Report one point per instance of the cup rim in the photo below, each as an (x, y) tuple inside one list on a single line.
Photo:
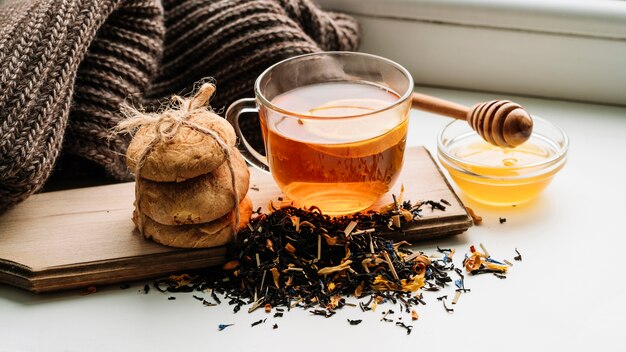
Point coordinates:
[(558, 156), (266, 102)]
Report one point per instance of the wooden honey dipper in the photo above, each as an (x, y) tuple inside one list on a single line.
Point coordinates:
[(500, 122)]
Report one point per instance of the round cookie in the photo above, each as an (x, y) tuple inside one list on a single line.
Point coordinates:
[(211, 234), (197, 200), (187, 155)]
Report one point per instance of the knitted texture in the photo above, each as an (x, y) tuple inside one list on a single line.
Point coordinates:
[(67, 65)]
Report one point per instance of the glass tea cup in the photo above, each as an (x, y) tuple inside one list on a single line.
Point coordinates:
[(334, 127)]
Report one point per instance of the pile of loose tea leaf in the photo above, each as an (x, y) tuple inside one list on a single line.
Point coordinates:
[(295, 254), (300, 257)]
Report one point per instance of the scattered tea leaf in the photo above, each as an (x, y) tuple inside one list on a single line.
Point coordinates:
[(355, 322), (408, 328), (260, 321), (518, 257), (223, 326)]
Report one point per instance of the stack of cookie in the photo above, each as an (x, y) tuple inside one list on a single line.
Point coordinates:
[(184, 185)]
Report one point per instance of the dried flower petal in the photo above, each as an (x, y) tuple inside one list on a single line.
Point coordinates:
[(223, 326), (333, 269), (331, 241), (307, 224), (233, 264), (406, 214), (422, 259), (493, 266), (358, 291), (290, 248), (335, 300), (295, 222), (269, 244), (395, 221), (473, 263), (475, 217), (276, 276)]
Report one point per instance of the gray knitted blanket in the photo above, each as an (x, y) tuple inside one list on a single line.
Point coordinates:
[(67, 65)]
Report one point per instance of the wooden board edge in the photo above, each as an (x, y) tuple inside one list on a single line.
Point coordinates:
[(456, 196), (15, 274), (17, 281), (102, 273)]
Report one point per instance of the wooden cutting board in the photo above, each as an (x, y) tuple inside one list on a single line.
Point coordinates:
[(81, 237)]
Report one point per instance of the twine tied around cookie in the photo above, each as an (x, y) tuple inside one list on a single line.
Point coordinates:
[(165, 125)]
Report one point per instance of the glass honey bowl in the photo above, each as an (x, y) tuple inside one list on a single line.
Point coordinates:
[(502, 176)]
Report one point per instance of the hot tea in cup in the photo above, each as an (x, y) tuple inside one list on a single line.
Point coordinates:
[(334, 127)]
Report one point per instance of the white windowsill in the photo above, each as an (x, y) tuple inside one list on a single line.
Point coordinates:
[(574, 50)]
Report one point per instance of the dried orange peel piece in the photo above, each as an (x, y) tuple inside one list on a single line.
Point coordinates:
[(494, 266), (477, 260), (473, 263), (415, 283)]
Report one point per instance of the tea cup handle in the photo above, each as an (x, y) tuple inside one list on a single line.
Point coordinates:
[(232, 116)]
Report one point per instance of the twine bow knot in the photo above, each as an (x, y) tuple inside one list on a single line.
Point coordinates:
[(166, 125)]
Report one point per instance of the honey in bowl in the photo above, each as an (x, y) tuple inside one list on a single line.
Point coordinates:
[(343, 147), (502, 176)]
